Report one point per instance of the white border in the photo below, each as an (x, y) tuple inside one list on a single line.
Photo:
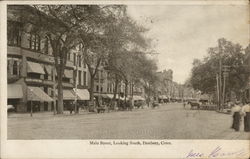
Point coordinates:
[(82, 148)]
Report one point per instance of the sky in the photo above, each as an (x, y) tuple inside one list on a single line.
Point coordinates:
[(181, 33)]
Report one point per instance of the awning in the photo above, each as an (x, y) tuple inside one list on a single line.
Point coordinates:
[(138, 98), (48, 69), (35, 68), (111, 96), (82, 94), (68, 73), (68, 95), (37, 94), (15, 91), (101, 95)]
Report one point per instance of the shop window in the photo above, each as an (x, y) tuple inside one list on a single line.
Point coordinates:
[(34, 75), (66, 80)]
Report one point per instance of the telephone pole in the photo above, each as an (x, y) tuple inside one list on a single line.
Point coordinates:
[(220, 75)]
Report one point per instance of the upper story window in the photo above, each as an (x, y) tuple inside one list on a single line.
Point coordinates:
[(34, 42), (74, 59), (84, 64), (80, 61), (68, 56), (13, 66), (14, 33), (84, 78), (46, 45)]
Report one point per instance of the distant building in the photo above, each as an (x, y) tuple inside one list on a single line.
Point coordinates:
[(166, 82)]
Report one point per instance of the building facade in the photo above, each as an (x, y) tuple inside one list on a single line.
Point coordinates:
[(31, 73)]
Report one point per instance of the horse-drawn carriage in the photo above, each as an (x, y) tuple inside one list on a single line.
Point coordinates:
[(194, 104)]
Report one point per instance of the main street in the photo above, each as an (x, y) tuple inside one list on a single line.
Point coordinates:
[(169, 121)]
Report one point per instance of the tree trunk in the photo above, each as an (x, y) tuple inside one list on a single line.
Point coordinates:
[(132, 93), (91, 90), (115, 90), (126, 91), (60, 92)]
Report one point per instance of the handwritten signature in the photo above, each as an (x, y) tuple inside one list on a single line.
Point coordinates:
[(217, 152)]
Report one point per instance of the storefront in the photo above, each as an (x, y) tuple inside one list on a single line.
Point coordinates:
[(15, 95), (36, 98), (82, 98)]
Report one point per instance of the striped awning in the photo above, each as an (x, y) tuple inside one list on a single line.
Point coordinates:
[(48, 69), (68, 95), (82, 94), (15, 91), (68, 73), (35, 68), (138, 98), (37, 94)]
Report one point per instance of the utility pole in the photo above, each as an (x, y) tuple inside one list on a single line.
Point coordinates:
[(76, 82), (54, 89), (220, 74), (225, 75)]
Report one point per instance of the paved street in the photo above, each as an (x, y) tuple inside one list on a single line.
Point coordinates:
[(169, 121)]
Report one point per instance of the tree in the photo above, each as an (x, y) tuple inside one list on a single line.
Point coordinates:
[(57, 24), (93, 21), (204, 71)]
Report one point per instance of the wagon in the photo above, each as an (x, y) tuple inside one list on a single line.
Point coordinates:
[(194, 105)]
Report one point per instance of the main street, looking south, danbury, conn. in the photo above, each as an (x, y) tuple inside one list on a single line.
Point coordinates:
[(127, 72)]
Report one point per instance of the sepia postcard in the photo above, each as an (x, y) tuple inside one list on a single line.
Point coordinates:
[(125, 79)]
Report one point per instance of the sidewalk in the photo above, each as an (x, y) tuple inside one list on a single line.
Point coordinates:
[(47, 114), (65, 113)]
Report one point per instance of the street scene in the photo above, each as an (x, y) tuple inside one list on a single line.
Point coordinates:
[(169, 121), (128, 72)]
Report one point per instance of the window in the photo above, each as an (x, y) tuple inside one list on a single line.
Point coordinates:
[(9, 67), (101, 89), (80, 61), (34, 42), (14, 33), (15, 68), (46, 45), (97, 88), (74, 59), (79, 78), (84, 78), (68, 56), (84, 64)]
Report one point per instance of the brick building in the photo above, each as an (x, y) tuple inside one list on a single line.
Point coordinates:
[(30, 67)]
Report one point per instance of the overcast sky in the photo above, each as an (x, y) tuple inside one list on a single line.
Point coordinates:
[(183, 33)]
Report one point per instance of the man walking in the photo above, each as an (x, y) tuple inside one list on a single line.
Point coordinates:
[(246, 113)]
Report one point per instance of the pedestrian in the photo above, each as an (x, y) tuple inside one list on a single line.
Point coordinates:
[(236, 111), (246, 114)]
